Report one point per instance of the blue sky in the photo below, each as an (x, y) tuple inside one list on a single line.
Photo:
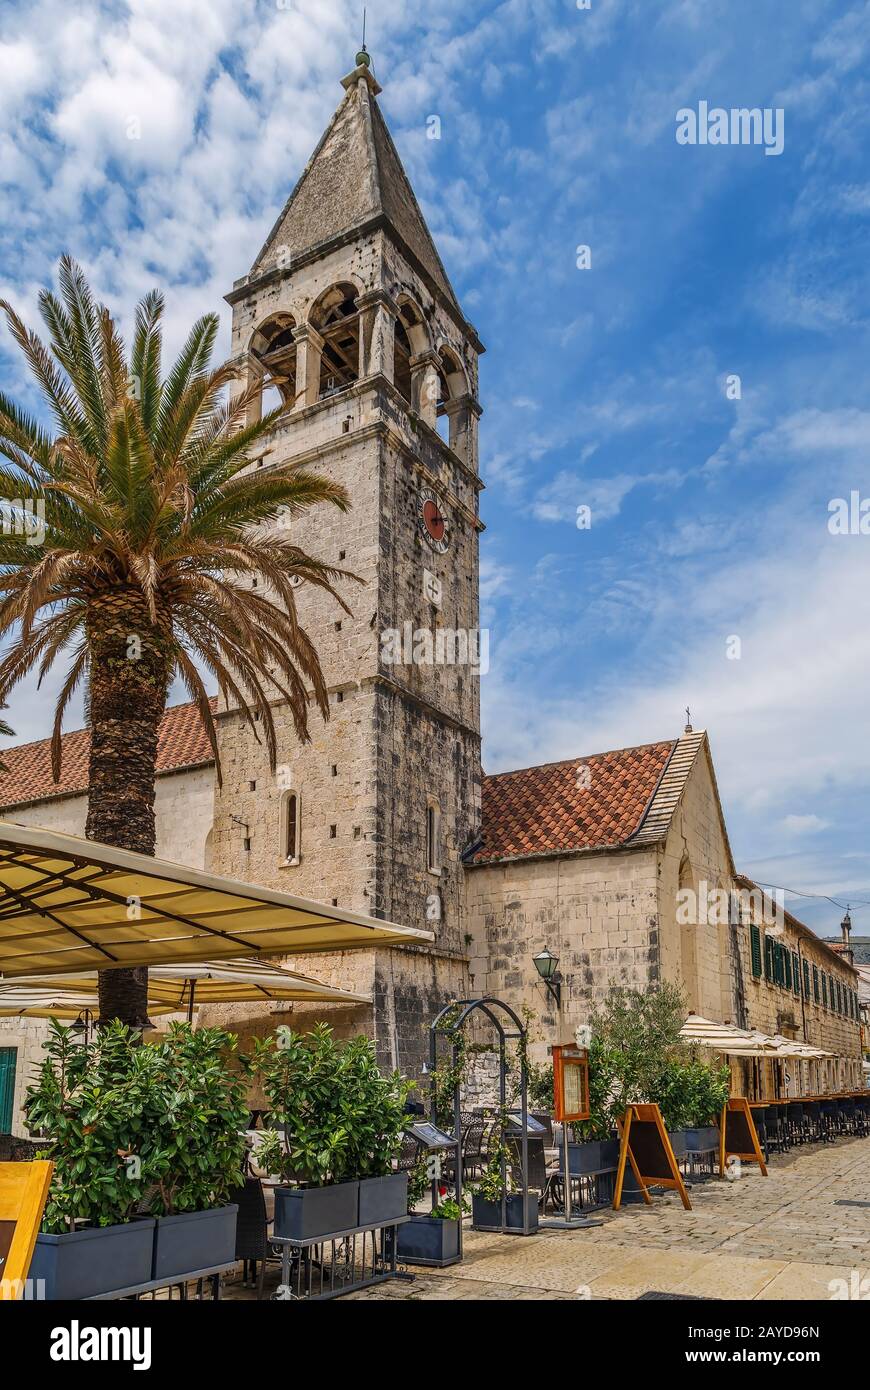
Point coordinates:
[(603, 387)]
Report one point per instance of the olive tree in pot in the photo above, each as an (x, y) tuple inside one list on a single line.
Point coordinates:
[(93, 1102), (339, 1127)]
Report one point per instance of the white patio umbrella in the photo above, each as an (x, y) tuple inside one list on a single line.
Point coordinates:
[(188, 983)]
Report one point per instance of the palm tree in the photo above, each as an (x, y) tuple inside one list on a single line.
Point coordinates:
[(5, 732), (141, 528)]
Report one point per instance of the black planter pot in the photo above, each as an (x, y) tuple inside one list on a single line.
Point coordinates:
[(301, 1213), (486, 1215), (704, 1138), (194, 1240), (631, 1191), (383, 1199), (99, 1259), (427, 1240)]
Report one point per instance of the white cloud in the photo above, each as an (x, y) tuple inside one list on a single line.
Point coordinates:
[(803, 825)]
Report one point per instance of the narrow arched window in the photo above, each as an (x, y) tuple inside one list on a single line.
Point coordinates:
[(433, 837), (290, 830)]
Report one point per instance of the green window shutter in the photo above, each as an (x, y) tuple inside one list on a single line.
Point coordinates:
[(796, 972), (8, 1059), (786, 967), (824, 990), (806, 979), (755, 949), (816, 994), (768, 957)]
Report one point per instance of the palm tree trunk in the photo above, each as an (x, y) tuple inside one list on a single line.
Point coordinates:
[(129, 678)]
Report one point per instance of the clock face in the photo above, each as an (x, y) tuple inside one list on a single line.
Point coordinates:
[(433, 523)]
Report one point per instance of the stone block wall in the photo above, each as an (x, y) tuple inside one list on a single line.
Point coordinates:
[(597, 912)]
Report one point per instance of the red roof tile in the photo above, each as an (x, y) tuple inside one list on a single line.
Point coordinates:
[(561, 807), (182, 743)]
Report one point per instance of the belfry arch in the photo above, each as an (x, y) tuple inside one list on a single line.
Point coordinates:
[(272, 360)]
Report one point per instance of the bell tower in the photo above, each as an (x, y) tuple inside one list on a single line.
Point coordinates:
[(348, 317)]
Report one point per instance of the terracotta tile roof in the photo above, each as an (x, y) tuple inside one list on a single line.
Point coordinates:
[(182, 743), (560, 807)]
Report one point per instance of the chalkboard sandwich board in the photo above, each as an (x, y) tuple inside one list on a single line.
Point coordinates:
[(646, 1146), (738, 1137)]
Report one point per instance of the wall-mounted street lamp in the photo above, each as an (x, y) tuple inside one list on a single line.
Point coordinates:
[(547, 966)]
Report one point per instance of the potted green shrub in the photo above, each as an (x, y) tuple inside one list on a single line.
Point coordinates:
[(499, 1182), (486, 1202), (136, 1128), (339, 1126), (711, 1087), (690, 1095), (92, 1102), (432, 1237), (195, 1148)]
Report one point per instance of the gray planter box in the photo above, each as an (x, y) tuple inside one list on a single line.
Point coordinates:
[(486, 1215), (609, 1153), (699, 1140), (194, 1240), (584, 1157), (95, 1260), (678, 1142), (426, 1240), (383, 1199), (302, 1213)]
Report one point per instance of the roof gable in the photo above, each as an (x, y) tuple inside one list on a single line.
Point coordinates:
[(590, 803)]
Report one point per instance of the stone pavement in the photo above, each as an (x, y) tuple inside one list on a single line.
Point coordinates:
[(755, 1238)]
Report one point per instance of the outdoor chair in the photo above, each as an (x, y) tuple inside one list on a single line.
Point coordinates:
[(472, 1147), (252, 1241), (409, 1154), (777, 1129), (813, 1115), (796, 1129), (828, 1110)]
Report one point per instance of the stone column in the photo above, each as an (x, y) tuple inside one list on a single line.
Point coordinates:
[(309, 346), (377, 318), (463, 412), (425, 386)]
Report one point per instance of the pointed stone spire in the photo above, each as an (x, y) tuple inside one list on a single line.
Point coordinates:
[(354, 182)]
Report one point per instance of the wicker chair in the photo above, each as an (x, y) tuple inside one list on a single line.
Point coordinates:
[(252, 1239)]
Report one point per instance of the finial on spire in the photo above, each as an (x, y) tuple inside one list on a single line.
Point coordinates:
[(363, 59), (688, 728)]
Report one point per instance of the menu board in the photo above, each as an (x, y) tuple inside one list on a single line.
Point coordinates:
[(570, 1083)]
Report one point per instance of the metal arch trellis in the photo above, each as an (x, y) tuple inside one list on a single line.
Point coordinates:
[(519, 1033)]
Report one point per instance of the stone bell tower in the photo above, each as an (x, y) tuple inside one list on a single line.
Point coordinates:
[(348, 317)]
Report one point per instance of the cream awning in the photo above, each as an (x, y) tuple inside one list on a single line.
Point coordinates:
[(744, 1042), (209, 982), (56, 1003), (68, 904)]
